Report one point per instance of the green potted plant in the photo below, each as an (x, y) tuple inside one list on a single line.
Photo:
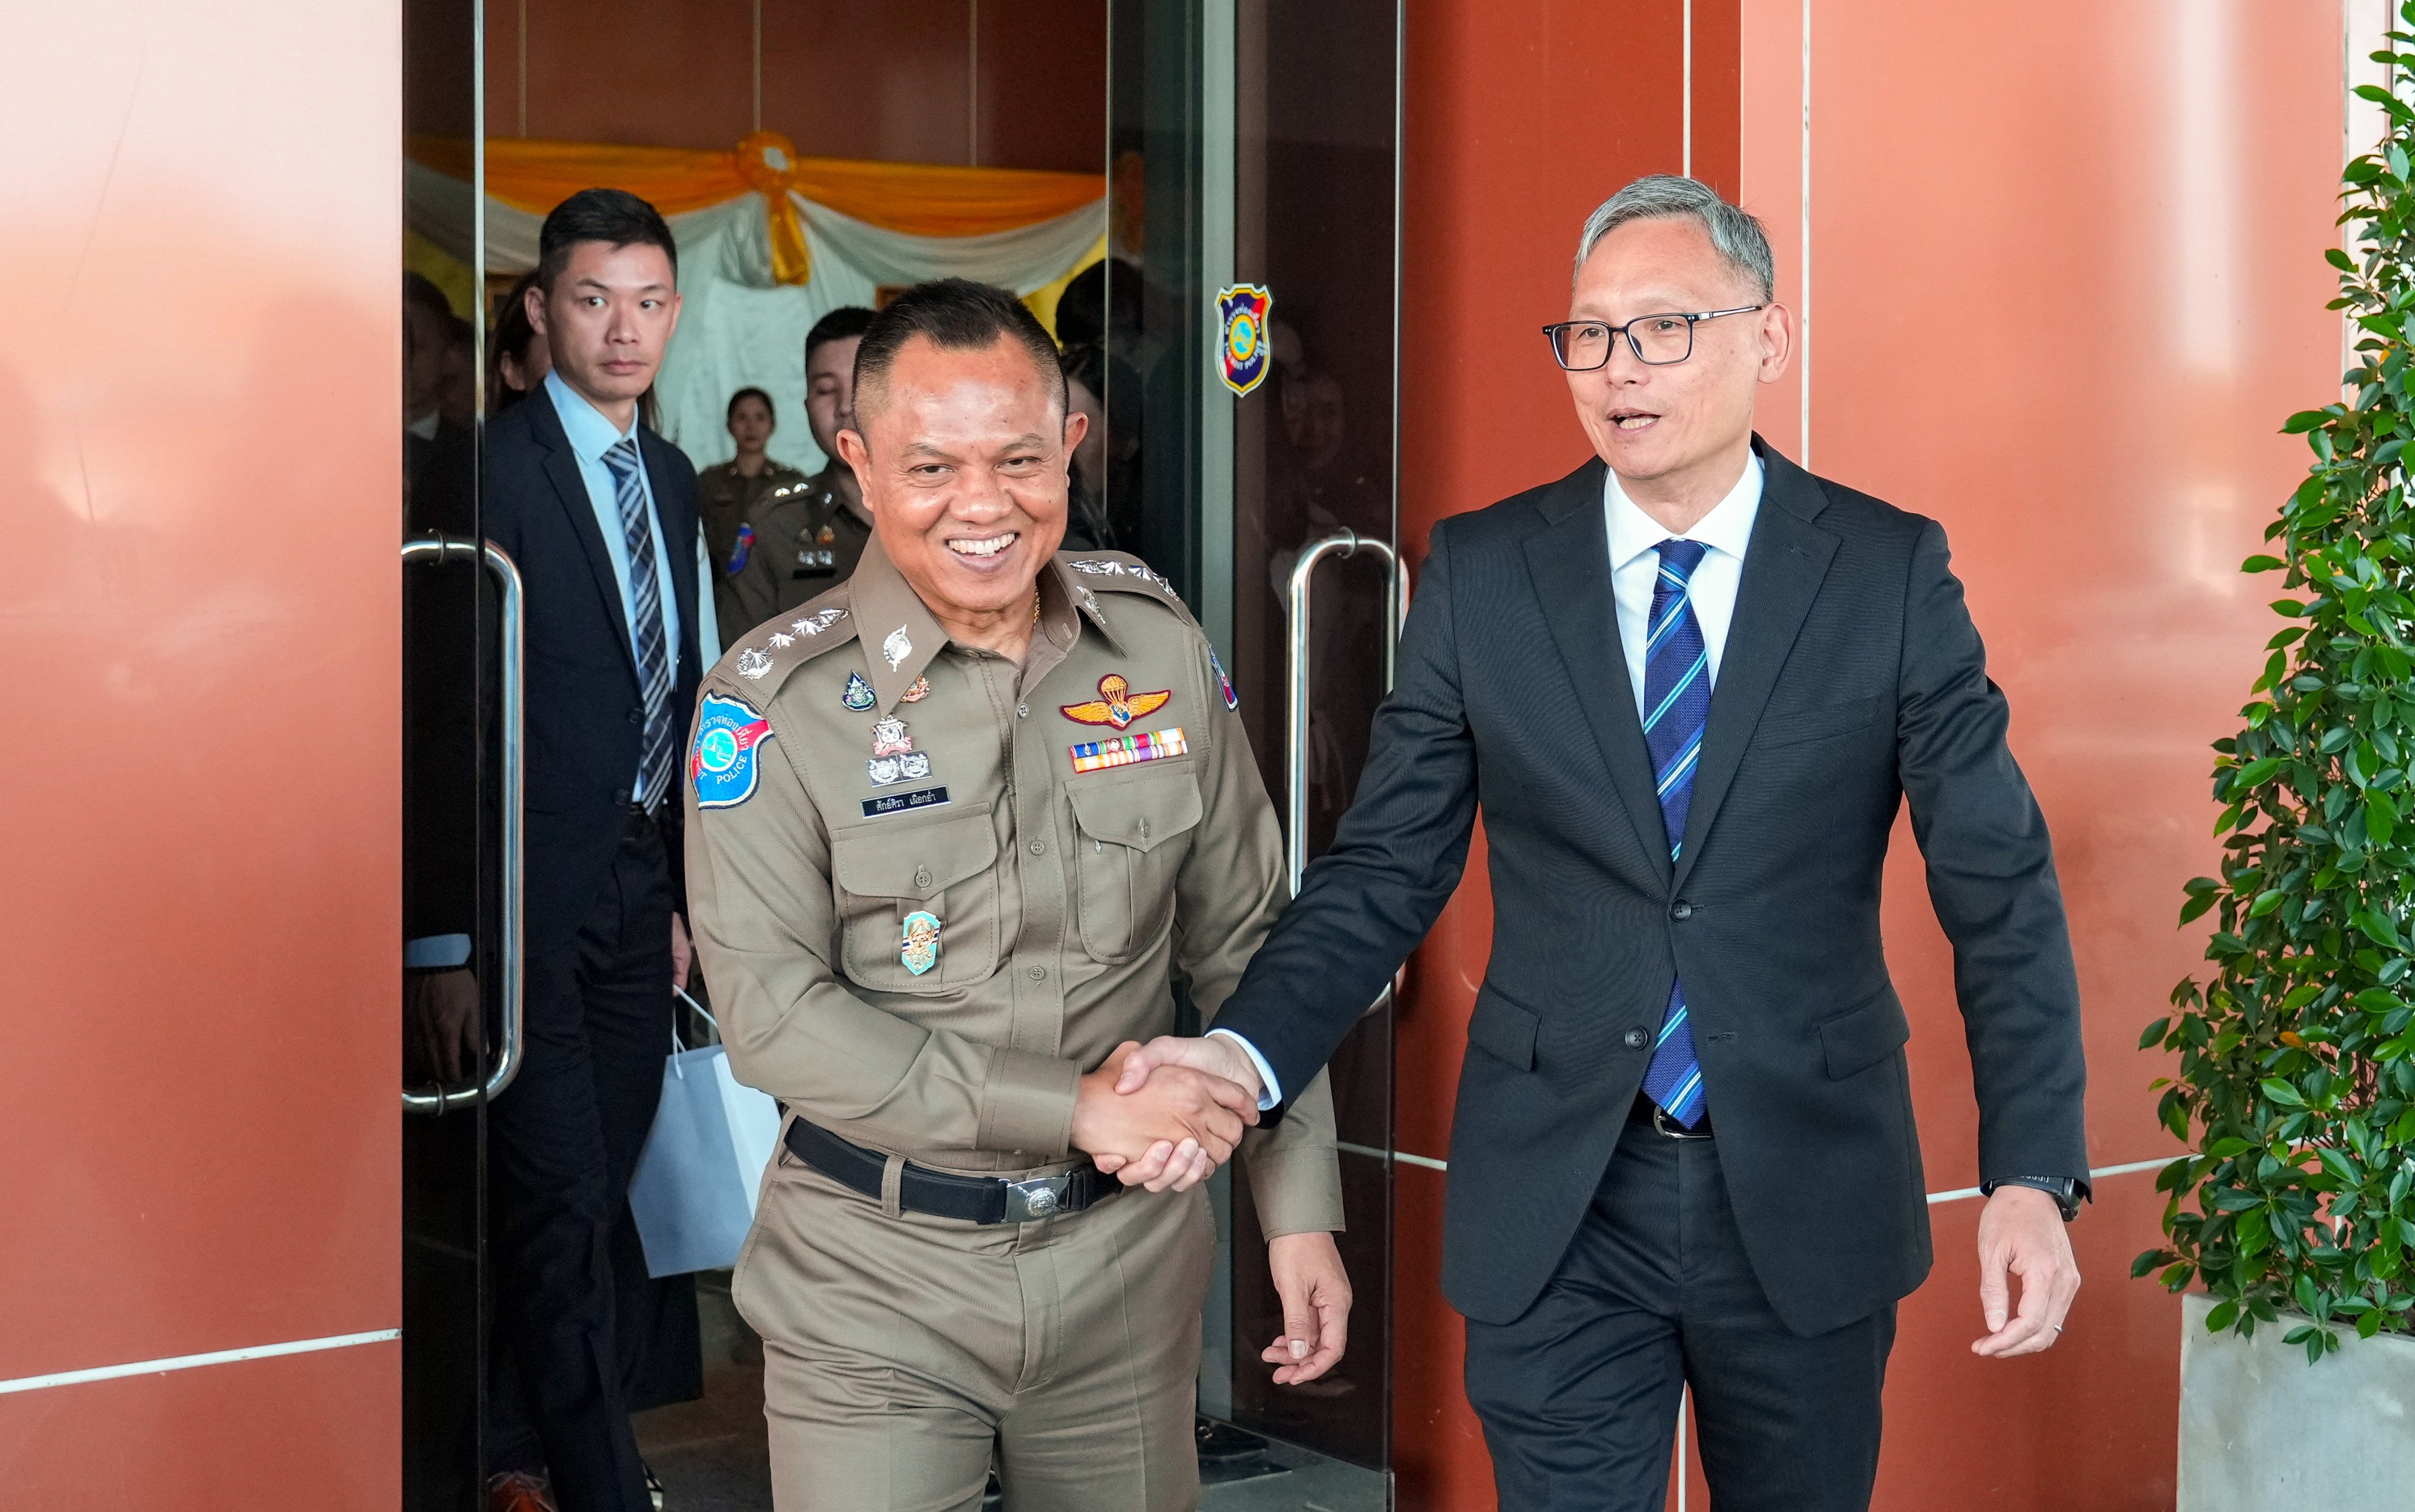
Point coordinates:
[(2294, 1214)]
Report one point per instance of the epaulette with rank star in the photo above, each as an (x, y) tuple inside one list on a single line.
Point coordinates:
[(772, 650)]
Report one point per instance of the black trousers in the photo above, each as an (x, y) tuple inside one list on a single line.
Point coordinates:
[(572, 1305), (1579, 1397)]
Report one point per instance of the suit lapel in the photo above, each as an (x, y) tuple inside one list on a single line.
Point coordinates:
[(1783, 566), (570, 488), (1570, 561)]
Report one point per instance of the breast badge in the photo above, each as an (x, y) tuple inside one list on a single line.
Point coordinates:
[(1123, 750), (888, 737), (920, 691), (920, 950), (858, 695), (1115, 704), (722, 766)]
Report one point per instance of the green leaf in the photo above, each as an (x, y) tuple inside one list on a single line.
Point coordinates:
[(2222, 1316), (2266, 902), (2155, 1035), (2263, 563), (2339, 260), (2223, 1149), (2304, 420), (2281, 1092), (2253, 774)]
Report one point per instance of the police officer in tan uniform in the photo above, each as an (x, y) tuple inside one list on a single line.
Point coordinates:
[(730, 498), (954, 827), (810, 533)]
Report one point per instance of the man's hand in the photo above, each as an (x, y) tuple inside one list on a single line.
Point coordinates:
[(1315, 1294), (1194, 1114), (1166, 1166), (683, 953), (2021, 1232), (440, 1026)]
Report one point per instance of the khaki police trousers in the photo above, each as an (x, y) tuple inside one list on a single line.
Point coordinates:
[(902, 1350)]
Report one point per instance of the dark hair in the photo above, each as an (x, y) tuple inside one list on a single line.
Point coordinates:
[(420, 291), (956, 315), (752, 394), (513, 337), (839, 324), (613, 216)]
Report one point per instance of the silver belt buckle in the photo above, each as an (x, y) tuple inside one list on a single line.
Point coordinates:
[(1663, 1124), (1040, 1197)]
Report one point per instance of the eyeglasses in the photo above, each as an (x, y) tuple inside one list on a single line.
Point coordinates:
[(1657, 340)]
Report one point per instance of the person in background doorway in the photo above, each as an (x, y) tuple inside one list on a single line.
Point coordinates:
[(730, 494), (1106, 465), (809, 534), (519, 355), (600, 515)]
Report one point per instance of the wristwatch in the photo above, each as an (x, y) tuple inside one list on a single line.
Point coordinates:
[(2063, 1190)]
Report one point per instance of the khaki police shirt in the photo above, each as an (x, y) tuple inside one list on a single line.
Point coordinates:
[(728, 501), (856, 780), (807, 541)]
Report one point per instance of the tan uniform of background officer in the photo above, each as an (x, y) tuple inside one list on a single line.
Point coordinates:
[(729, 499), (807, 540), (955, 827)]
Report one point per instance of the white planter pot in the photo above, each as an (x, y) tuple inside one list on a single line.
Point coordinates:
[(2262, 1430)]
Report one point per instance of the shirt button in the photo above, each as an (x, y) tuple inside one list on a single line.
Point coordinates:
[(1638, 1037), (1681, 910), (1039, 973), (1023, 710), (1040, 848), (921, 879)]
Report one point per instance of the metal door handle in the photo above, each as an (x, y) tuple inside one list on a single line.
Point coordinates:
[(432, 548), (1343, 544)]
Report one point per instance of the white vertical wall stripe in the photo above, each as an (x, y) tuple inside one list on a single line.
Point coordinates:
[(1686, 153), (188, 1362)]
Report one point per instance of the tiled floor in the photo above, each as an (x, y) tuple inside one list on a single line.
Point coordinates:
[(712, 1453)]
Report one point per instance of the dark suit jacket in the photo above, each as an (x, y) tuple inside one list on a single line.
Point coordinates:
[(586, 715), (1852, 677)]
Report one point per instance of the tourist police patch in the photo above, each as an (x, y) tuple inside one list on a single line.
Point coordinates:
[(740, 551), (1232, 699), (722, 766)]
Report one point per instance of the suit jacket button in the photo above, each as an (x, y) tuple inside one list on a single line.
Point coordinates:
[(1638, 1037), (1681, 910), (638, 716)]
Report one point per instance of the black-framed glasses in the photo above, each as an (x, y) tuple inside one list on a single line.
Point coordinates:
[(1657, 340)]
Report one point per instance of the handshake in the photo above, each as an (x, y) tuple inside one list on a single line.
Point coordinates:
[(1165, 1114)]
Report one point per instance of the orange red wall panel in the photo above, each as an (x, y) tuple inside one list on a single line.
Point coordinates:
[(199, 632)]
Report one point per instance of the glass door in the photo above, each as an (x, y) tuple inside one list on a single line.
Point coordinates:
[(461, 801), (1253, 296)]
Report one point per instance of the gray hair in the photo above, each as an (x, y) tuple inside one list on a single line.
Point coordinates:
[(1735, 234)]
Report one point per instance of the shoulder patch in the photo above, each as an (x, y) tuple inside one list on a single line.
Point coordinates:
[(722, 764), (1128, 573)]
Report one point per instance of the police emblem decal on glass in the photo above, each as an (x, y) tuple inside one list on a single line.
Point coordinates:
[(919, 951), (858, 695), (898, 647), (1241, 355), (728, 733)]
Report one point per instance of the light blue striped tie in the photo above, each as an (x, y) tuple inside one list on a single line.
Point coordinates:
[(1676, 706), (653, 663)]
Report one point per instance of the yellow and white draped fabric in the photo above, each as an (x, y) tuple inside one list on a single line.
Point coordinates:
[(769, 242)]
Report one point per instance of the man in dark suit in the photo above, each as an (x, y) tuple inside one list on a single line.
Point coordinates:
[(1682, 1151), (600, 514)]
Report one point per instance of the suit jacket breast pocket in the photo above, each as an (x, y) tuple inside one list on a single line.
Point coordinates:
[(1816, 723)]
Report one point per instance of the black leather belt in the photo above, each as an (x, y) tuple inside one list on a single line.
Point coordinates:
[(1645, 1110), (971, 1199)]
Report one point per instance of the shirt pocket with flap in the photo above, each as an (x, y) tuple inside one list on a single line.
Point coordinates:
[(948, 870), (1133, 831)]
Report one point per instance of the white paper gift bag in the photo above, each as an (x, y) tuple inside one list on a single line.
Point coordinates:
[(693, 1192)]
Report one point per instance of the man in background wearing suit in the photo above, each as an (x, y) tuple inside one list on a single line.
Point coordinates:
[(600, 514), (1690, 684)]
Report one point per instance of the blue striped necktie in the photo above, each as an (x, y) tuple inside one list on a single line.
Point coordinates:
[(645, 595), (1677, 705)]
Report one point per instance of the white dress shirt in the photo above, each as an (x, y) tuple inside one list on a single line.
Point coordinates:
[(1635, 567), (1635, 538)]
